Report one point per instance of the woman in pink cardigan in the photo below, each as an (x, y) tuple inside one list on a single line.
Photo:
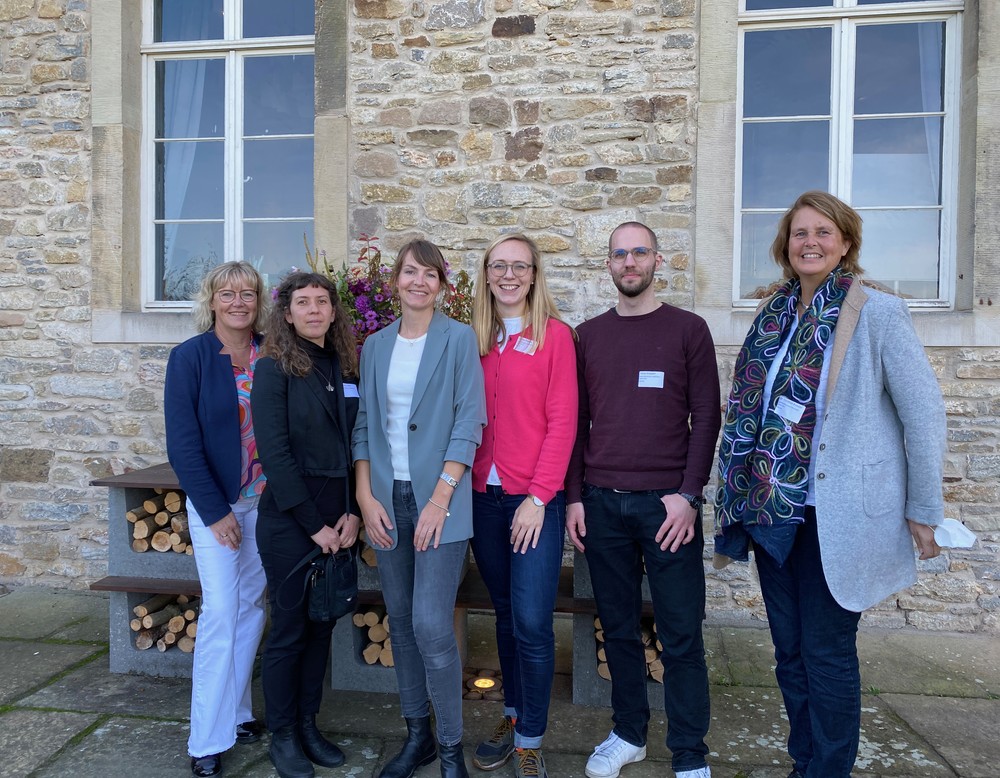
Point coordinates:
[(529, 364)]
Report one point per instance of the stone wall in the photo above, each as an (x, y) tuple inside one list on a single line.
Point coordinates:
[(561, 118)]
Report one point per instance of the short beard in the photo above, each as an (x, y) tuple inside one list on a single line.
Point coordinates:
[(636, 290)]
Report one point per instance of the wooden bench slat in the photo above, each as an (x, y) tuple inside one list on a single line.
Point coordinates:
[(121, 583)]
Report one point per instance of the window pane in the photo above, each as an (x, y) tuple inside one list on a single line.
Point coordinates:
[(187, 20), (190, 96), (267, 18), (899, 68), (274, 247), (278, 178), (189, 182), (278, 94), (900, 249), (897, 162), (757, 269), (184, 253), (766, 5), (787, 72), (781, 160)]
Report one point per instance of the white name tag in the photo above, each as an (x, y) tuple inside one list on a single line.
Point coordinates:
[(650, 379), (525, 346), (351, 390), (789, 410)]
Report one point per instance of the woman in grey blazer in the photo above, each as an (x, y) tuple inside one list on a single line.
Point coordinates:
[(830, 469), (420, 420)]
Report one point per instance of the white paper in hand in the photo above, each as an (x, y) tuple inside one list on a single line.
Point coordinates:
[(953, 534)]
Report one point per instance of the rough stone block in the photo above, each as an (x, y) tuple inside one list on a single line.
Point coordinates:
[(493, 111), (456, 14), (513, 26), (27, 465), (524, 145), (379, 9)]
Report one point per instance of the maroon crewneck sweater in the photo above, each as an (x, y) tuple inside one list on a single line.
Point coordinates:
[(633, 434)]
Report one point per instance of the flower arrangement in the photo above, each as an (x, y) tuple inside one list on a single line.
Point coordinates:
[(367, 296)]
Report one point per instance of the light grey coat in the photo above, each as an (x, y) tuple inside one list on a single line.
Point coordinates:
[(880, 456), (447, 416)]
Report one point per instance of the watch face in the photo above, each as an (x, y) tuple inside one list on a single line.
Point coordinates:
[(537, 501)]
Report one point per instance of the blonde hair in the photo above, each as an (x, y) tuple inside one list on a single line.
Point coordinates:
[(540, 307), (845, 218), (218, 277)]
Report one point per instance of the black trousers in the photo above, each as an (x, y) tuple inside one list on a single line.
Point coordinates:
[(297, 649)]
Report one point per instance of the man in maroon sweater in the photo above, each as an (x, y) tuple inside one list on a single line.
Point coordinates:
[(649, 419)]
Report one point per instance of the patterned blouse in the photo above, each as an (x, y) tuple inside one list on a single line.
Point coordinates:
[(252, 483)]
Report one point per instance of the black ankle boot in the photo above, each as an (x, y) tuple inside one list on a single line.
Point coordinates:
[(316, 747), (452, 761), (286, 754), (418, 749)]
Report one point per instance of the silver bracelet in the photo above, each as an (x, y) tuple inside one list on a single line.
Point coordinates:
[(448, 480), (447, 513)]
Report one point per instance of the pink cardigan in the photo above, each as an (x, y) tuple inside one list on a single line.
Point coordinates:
[(531, 411)]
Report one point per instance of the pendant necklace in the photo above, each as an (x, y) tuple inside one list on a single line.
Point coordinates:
[(329, 380)]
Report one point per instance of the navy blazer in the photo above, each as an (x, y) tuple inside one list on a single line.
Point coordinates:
[(447, 417), (202, 418)]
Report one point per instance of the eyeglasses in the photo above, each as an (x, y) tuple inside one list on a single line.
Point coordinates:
[(228, 295), (499, 269), (639, 253)]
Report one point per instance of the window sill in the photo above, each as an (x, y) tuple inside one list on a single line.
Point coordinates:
[(160, 327)]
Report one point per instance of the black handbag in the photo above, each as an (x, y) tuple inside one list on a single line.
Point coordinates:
[(331, 584)]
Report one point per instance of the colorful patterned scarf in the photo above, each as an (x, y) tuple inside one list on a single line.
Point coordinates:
[(764, 458)]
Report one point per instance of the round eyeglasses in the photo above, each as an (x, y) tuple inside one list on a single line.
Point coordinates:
[(639, 253), (499, 269), (228, 295)]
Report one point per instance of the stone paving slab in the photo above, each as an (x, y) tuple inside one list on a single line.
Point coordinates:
[(93, 688), (33, 612), (26, 665), (50, 731), (920, 663), (966, 732)]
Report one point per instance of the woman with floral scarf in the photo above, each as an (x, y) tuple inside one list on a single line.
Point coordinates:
[(829, 469)]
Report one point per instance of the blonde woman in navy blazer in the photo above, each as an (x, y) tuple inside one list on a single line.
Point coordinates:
[(419, 423)]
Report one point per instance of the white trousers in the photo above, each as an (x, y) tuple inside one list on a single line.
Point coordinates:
[(230, 626)]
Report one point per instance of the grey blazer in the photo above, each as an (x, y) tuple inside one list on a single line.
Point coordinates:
[(446, 418), (879, 460)]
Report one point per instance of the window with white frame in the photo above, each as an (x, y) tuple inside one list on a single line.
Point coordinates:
[(227, 139), (860, 99)]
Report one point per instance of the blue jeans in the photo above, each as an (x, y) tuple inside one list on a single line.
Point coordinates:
[(815, 649), (419, 590), (523, 589), (621, 532)]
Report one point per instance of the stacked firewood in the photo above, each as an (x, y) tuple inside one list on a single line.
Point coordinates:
[(374, 622), (161, 524), (165, 621), (651, 646)]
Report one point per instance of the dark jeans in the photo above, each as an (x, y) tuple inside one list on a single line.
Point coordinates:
[(523, 590), (297, 649), (815, 648), (419, 589), (621, 531)]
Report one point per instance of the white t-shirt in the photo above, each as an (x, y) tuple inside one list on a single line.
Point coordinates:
[(402, 378)]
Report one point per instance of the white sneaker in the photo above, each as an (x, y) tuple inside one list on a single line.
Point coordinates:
[(701, 772), (611, 756)]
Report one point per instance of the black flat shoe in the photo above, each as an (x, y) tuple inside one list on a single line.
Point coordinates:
[(202, 766), (248, 732)]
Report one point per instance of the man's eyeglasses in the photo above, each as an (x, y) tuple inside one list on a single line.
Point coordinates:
[(499, 269), (228, 295), (639, 253)]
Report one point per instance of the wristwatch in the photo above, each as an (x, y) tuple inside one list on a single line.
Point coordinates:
[(694, 500), (537, 501), (452, 482)]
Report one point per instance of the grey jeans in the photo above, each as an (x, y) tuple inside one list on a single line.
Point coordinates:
[(419, 589)]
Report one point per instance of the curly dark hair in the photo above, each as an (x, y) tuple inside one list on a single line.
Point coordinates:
[(285, 348)]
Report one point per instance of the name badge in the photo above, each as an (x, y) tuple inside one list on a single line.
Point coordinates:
[(525, 346), (350, 390), (650, 379), (789, 410)]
